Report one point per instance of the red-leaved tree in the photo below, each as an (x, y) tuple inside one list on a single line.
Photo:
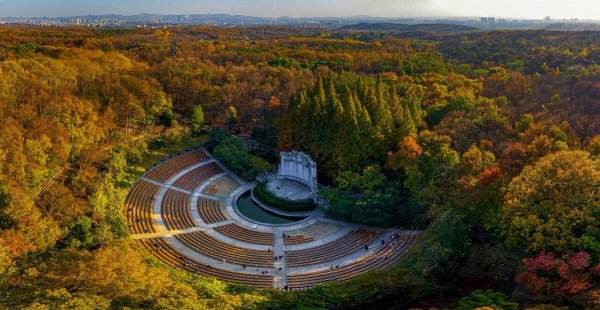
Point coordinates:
[(548, 274)]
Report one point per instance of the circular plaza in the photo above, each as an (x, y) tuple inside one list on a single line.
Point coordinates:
[(192, 213)]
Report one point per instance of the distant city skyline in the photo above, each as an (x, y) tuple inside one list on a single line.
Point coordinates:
[(532, 9)]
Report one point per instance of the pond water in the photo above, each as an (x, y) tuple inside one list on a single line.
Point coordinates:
[(251, 210)]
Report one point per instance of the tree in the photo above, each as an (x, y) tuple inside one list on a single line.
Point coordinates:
[(451, 231), (524, 123), (167, 117), (553, 204), (7, 264), (407, 156), (5, 219), (231, 153), (514, 158), (432, 185), (479, 184), (232, 115), (196, 120), (370, 179), (594, 146), (448, 242), (80, 234), (548, 274), (539, 147)]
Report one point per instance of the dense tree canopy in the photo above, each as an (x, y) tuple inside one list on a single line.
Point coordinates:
[(475, 138), (346, 122)]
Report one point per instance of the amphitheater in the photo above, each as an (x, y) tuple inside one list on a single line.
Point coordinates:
[(183, 210)]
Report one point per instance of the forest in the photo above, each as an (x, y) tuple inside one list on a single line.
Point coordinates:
[(489, 142)]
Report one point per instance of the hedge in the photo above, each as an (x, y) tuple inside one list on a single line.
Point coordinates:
[(261, 193)]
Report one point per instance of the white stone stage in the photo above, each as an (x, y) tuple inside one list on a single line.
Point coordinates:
[(299, 167), (289, 189), (296, 177)]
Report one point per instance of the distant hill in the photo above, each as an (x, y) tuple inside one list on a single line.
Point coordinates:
[(573, 27), (438, 28)]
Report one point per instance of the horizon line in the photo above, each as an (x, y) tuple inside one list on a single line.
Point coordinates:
[(314, 17)]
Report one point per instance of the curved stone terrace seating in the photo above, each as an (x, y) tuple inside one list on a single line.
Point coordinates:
[(176, 210), (211, 190), (138, 207), (384, 257), (231, 251), (241, 233), (193, 179), (211, 211), (222, 187), (349, 243), (209, 246), (296, 239), (172, 167), (166, 253)]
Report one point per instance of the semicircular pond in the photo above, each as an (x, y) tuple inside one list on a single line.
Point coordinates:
[(252, 211)]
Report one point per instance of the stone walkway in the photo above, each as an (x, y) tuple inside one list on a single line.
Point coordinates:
[(279, 265), (279, 270)]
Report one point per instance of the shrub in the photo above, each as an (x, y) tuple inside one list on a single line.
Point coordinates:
[(489, 298)]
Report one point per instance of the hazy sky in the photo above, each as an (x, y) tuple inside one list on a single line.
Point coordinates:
[(584, 9)]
